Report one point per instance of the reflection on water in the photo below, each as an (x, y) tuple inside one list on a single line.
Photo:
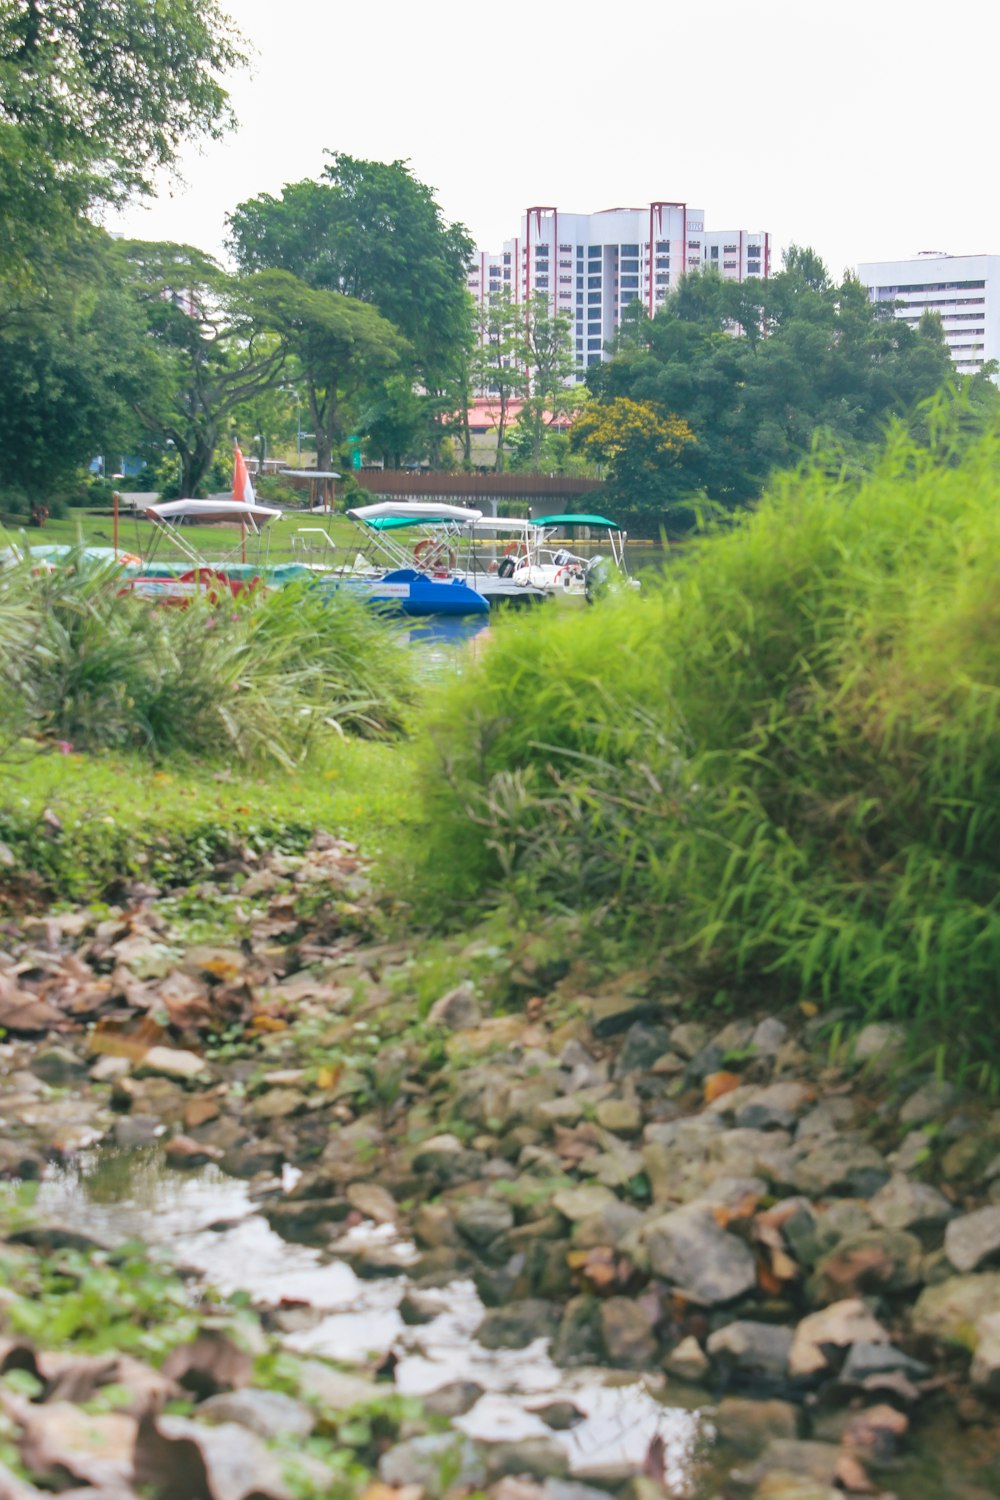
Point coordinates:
[(131, 1195)]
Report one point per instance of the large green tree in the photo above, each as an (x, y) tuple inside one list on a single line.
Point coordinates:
[(94, 96), (207, 353), (760, 370), (500, 366)]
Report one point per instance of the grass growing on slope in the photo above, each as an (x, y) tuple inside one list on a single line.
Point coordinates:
[(784, 761)]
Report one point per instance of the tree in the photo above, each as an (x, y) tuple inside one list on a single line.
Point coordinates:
[(641, 446), (96, 94), (500, 365), (70, 348), (343, 349), (552, 391), (206, 352), (372, 231)]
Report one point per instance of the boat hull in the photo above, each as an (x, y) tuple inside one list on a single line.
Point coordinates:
[(408, 592)]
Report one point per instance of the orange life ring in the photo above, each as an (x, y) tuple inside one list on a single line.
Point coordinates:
[(512, 549), (432, 553)]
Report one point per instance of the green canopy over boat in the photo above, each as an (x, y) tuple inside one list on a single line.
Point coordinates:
[(575, 520)]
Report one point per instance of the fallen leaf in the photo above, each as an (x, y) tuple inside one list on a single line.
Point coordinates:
[(185, 1460), (60, 1440), (718, 1084), (209, 1364), (131, 1039)]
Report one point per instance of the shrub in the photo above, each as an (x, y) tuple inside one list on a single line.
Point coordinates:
[(782, 761)]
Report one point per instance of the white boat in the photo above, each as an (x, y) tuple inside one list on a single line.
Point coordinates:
[(550, 565)]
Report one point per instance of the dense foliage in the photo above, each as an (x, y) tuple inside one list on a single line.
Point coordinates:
[(783, 761), (259, 679), (761, 370)]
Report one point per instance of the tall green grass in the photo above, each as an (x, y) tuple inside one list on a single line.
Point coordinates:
[(257, 679), (782, 762)]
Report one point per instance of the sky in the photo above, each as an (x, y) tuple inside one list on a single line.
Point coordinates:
[(866, 130)]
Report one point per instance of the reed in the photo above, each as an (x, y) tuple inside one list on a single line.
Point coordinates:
[(782, 763)]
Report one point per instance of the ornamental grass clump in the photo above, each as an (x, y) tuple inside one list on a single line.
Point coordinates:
[(782, 760), (256, 679)]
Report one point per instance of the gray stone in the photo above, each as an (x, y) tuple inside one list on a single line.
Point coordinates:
[(928, 1103), (561, 1416), (106, 1069), (776, 1107), (572, 1489), (950, 1310), (539, 1457), (131, 1131), (615, 1223), (904, 1204), (453, 1399), (838, 1327), (864, 1360), (625, 1333), (483, 1221), (844, 1219), (610, 1015), (518, 1324), (973, 1241), (827, 1118), (916, 1148), (334, 1389), (985, 1371), (578, 1339), (57, 1065), (812, 1461), (879, 1039), (752, 1348), (438, 1462), (582, 1202), (769, 1036), (748, 1426), (278, 1104), (446, 1160), (688, 1038), (688, 1249), (688, 1361), (458, 1010), (269, 1414), (620, 1116), (845, 1165), (880, 1260), (172, 1062), (643, 1044)]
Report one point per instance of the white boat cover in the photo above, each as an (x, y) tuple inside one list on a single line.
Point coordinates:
[(212, 510), (414, 510)]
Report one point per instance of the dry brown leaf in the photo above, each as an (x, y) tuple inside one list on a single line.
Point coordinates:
[(131, 1039), (717, 1084)]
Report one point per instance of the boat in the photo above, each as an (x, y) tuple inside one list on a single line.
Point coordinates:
[(455, 542), (415, 580), (555, 569), (175, 583)]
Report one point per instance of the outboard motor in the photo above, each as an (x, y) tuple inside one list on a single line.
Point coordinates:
[(598, 578)]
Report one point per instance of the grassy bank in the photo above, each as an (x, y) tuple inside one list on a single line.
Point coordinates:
[(781, 765)]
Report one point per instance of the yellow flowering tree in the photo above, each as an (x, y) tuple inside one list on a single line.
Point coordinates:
[(641, 447)]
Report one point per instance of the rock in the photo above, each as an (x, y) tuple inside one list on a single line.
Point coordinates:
[(106, 1069), (518, 1324), (880, 1039), (781, 1485), (776, 1107), (973, 1241), (572, 1489), (838, 1327), (904, 1204), (615, 1223), (752, 1348), (951, 1310), (333, 1389), (985, 1371), (278, 1104), (927, 1103), (174, 1455), (582, 1202), (876, 1433), (559, 1415), (458, 1010), (269, 1414), (620, 1116), (184, 1153), (827, 1118), (444, 1158), (687, 1361), (171, 1062), (748, 1426), (625, 1333), (688, 1249), (420, 1307), (611, 1014), (20, 1159), (57, 1066), (880, 1260), (769, 1036), (483, 1221), (812, 1461), (540, 1457), (688, 1038), (577, 1341), (845, 1165), (453, 1399), (865, 1360), (643, 1044), (917, 1147), (433, 1226), (438, 1462)]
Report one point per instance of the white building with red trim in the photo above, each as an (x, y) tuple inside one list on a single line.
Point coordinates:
[(964, 291), (593, 265)]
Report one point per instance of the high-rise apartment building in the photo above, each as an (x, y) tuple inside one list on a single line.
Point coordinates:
[(592, 266), (964, 290)]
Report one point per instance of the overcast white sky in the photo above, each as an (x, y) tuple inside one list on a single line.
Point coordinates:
[(866, 129)]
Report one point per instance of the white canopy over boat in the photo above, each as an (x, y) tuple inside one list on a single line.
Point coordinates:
[(209, 511), (413, 510)]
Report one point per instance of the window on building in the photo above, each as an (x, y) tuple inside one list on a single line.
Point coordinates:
[(694, 244), (579, 343), (495, 286), (593, 252), (629, 265), (565, 281), (729, 265), (663, 262), (630, 249), (579, 299), (593, 328), (714, 252), (541, 281), (506, 273), (594, 298), (565, 249), (566, 265), (663, 247), (663, 278), (593, 343), (593, 359), (631, 283), (593, 281), (730, 249), (506, 257)]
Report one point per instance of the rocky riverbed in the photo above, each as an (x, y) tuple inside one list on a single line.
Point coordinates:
[(480, 1215)]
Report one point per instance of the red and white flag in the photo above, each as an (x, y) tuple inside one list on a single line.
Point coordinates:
[(242, 488)]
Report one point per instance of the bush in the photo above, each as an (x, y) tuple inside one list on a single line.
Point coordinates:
[(782, 761), (257, 679)]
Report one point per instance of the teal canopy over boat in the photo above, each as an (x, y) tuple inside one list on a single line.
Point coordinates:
[(575, 520)]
